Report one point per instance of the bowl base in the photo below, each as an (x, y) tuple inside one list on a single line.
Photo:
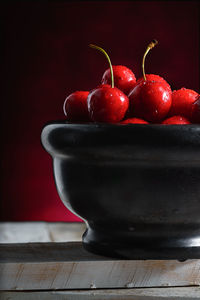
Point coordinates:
[(140, 247)]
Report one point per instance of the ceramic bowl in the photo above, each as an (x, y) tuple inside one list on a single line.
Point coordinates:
[(136, 186)]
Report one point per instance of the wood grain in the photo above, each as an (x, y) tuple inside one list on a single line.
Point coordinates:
[(44, 266), (27, 232), (185, 293)]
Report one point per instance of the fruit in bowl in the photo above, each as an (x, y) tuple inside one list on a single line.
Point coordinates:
[(134, 183)]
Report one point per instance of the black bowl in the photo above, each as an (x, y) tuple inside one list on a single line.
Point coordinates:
[(137, 187)]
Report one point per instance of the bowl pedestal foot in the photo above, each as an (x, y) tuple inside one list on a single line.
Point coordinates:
[(140, 247)]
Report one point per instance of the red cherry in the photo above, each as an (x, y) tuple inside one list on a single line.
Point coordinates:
[(195, 118), (182, 101), (150, 100), (176, 120), (153, 77), (107, 105), (124, 78), (75, 106), (103, 85), (134, 121)]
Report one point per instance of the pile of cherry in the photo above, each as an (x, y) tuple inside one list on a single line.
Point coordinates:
[(122, 99)]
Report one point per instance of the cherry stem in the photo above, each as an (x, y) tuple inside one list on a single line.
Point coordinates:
[(109, 61), (149, 47)]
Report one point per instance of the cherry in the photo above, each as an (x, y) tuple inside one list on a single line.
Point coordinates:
[(176, 120), (182, 101), (150, 100), (124, 78), (153, 77), (103, 85), (107, 103), (195, 115), (75, 106), (134, 121)]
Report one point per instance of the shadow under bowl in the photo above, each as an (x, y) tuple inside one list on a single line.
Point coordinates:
[(137, 187)]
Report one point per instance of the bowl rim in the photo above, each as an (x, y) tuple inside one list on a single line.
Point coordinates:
[(115, 125)]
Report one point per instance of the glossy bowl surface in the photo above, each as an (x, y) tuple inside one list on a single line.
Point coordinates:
[(136, 186)]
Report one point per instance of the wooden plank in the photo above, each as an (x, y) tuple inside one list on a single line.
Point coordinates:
[(66, 232), (185, 293), (18, 232), (69, 266), (44, 252), (26, 232)]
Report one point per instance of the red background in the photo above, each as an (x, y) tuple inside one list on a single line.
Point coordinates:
[(46, 57)]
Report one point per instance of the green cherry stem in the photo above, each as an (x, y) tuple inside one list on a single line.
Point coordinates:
[(109, 61), (149, 47)]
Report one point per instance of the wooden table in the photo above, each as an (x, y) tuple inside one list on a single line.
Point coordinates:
[(41, 260)]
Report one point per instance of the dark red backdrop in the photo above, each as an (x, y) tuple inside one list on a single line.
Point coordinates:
[(46, 57)]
